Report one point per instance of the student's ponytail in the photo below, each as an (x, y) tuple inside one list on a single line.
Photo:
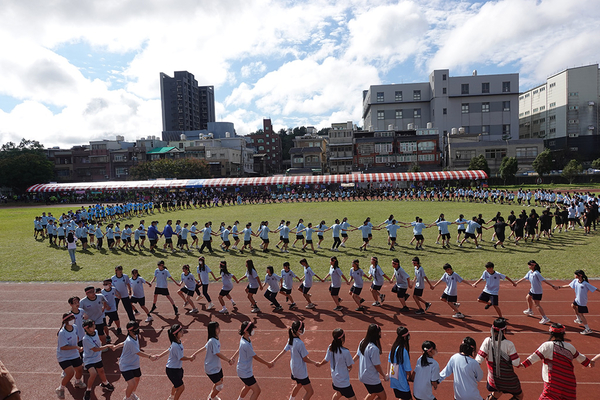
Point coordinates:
[(582, 274), (337, 344), (293, 331), (426, 346), (467, 347)]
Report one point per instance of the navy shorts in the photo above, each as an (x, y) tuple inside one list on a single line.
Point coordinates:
[(335, 291), (224, 292), (418, 292), (247, 242), (356, 290), (161, 291), (419, 237), (374, 388), (285, 240), (469, 235), (133, 373), (347, 392), (535, 296), (303, 289), (286, 291), (100, 329), (449, 299), (489, 298), (214, 378), (402, 395), (97, 365), (299, 237), (308, 241), (400, 292), (76, 362), (175, 375), (251, 290), (445, 236), (249, 381), (581, 309), (138, 300), (187, 291), (302, 382), (375, 287)]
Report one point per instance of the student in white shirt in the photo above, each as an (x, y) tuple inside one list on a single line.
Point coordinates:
[(307, 281), (492, 279), (187, 291), (92, 358), (204, 280), (336, 275), (246, 355), (129, 362), (67, 354), (340, 363), (212, 360), (427, 373), (287, 284), (356, 275), (161, 274), (226, 277), (298, 360), (581, 286), (402, 284), (467, 372), (174, 367), (535, 278), (450, 295), (368, 354), (254, 284)]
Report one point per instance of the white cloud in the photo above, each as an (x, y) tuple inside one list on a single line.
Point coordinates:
[(303, 62)]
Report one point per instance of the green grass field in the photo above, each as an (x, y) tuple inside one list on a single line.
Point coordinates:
[(26, 259)]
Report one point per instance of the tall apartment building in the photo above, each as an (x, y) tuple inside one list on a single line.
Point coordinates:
[(564, 111), (268, 145), (479, 104), (185, 105), (341, 147)]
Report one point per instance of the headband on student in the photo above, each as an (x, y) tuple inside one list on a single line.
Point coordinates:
[(406, 334), (247, 327), (131, 328), (557, 330), (67, 317), (177, 331)]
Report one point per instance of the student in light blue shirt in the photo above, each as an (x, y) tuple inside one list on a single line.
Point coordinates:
[(467, 372), (247, 238), (298, 229), (400, 358), (212, 360), (67, 353), (470, 232), (174, 367), (369, 366), (161, 274), (129, 362), (444, 230), (309, 240), (392, 229), (298, 360), (492, 279), (246, 355), (418, 227), (92, 358), (340, 363)]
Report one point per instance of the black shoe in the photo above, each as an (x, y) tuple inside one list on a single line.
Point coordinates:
[(176, 310), (361, 308), (87, 395), (420, 311), (406, 296), (404, 309), (427, 306), (362, 301), (119, 331), (488, 305), (153, 308), (108, 386), (108, 340)]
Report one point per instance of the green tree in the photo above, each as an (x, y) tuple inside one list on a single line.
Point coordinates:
[(479, 163), (596, 163), (508, 168), (571, 170), (180, 168), (24, 165), (414, 167), (543, 162)]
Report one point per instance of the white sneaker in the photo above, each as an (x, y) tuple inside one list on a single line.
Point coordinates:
[(318, 247), (577, 320), (437, 242), (233, 303), (310, 305), (60, 393), (149, 319), (343, 245), (586, 331), (479, 247), (224, 311), (528, 312), (80, 385), (544, 320), (210, 306), (458, 315)]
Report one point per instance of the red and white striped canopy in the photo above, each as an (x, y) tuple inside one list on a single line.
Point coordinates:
[(261, 181)]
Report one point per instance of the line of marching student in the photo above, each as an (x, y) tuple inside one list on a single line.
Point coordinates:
[(92, 311)]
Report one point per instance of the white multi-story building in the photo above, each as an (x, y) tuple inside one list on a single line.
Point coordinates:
[(564, 111), (478, 104)]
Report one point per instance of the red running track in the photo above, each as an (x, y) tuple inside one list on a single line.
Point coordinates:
[(31, 314)]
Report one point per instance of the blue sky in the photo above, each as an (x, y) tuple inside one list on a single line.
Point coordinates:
[(90, 71)]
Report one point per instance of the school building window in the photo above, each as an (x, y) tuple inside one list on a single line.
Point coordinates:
[(417, 113), (416, 95), (398, 96), (495, 153), (464, 154), (464, 88), (505, 87), (527, 152), (464, 108), (506, 106), (485, 107), (380, 97), (398, 114), (380, 115)]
